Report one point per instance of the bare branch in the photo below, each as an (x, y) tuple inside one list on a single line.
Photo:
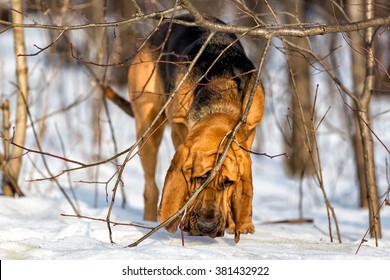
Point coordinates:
[(41, 152), (155, 15), (261, 154), (105, 220), (267, 31), (385, 202), (44, 48)]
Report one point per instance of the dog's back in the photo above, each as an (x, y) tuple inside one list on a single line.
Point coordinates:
[(224, 54)]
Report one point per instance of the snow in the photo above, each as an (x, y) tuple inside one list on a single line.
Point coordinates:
[(33, 228)]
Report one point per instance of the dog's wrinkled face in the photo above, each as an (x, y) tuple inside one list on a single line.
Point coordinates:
[(208, 214), (189, 169)]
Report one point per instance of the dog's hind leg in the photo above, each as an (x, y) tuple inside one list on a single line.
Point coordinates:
[(147, 97)]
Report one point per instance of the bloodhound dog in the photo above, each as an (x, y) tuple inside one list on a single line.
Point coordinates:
[(205, 105)]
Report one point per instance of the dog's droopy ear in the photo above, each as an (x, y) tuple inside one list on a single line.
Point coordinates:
[(241, 202), (176, 187)]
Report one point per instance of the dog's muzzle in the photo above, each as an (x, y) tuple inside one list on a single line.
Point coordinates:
[(207, 220)]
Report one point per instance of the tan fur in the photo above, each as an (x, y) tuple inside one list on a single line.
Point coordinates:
[(147, 97)]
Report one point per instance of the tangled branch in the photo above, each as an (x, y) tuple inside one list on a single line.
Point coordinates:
[(266, 31)]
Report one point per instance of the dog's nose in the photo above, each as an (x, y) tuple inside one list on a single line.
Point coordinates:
[(208, 219), (207, 226)]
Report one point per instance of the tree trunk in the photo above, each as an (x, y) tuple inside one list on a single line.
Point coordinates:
[(364, 124), (355, 12), (97, 13), (123, 45), (300, 161), (10, 186)]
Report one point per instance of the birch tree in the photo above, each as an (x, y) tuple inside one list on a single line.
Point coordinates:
[(12, 165)]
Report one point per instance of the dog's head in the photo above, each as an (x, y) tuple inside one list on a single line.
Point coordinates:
[(190, 167)]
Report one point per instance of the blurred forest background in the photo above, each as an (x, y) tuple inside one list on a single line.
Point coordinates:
[(348, 69)]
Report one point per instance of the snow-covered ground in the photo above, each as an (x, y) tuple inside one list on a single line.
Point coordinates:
[(33, 228)]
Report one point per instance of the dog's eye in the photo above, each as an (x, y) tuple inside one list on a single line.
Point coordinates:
[(227, 183), (203, 178)]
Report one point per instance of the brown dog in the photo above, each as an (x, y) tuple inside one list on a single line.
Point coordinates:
[(204, 109)]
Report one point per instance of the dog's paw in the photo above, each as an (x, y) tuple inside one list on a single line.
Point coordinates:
[(246, 228), (232, 228)]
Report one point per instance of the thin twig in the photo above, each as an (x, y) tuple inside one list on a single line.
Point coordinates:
[(373, 133), (372, 223), (261, 154), (44, 48), (6, 127), (71, 187), (318, 171), (73, 206), (327, 69), (154, 15), (42, 152), (105, 220)]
